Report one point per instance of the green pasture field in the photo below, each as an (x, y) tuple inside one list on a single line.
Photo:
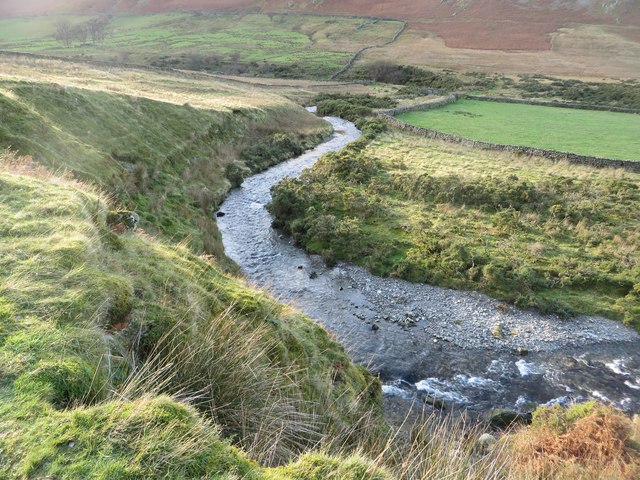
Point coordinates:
[(585, 132), (311, 45)]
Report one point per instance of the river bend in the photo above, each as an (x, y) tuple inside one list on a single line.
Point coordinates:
[(426, 340)]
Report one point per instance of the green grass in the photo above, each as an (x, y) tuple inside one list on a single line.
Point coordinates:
[(586, 132), (128, 356), (171, 163), (96, 324), (548, 235), (290, 45)]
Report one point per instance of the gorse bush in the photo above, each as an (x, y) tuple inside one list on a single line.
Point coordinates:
[(275, 149), (350, 107), (622, 94), (412, 77), (559, 241)]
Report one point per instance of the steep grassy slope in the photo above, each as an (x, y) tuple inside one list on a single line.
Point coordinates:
[(172, 161), (96, 324)]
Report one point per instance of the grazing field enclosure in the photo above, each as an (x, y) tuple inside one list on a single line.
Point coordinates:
[(594, 133), (281, 45)]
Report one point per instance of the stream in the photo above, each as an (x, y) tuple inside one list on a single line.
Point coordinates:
[(462, 348)]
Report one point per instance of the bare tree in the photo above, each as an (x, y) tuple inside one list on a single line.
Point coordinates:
[(99, 28), (64, 31), (80, 33)]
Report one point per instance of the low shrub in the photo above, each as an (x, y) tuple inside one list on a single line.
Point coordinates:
[(549, 240), (350, 107), (586, 440)]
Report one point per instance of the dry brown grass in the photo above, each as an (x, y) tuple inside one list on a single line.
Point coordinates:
[(603, 445), (179, 88), (597, 446), (15, 164), (587, 52)]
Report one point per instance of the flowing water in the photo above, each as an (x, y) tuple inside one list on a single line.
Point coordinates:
[(425, 340)]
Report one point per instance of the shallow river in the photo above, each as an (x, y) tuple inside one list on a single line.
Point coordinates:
[(464, 348)]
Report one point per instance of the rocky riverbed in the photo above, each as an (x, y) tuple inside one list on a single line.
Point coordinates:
[(463, 349)]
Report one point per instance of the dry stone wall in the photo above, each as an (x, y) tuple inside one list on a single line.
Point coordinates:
[(435, 103)]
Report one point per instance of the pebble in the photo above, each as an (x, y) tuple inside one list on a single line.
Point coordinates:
[(477, 316)]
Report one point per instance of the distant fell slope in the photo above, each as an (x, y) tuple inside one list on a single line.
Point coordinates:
[(477, 24)]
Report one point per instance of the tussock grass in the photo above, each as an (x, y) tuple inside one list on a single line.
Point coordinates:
[(226, 370), (167, 146), (97, 322)]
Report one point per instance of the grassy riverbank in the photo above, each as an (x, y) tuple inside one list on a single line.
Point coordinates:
[(127, 354), (167, 146), (131, 356), (547, 235), (585, 132), (97, 322), (127, 357)]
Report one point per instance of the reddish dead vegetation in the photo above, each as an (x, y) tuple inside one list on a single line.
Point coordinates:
[(598, 446), (478, 24)]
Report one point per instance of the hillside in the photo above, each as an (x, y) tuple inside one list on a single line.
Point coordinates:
[(523, 25), (168, 146), (126, 355), (129, 348), (99, 325), (574, 38)]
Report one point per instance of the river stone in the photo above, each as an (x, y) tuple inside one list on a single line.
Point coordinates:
[(505, 418), (498, 331), (123, 220), (434, 402), (486, 442)]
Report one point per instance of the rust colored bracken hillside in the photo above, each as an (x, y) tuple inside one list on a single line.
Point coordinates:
[(587, 39)]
